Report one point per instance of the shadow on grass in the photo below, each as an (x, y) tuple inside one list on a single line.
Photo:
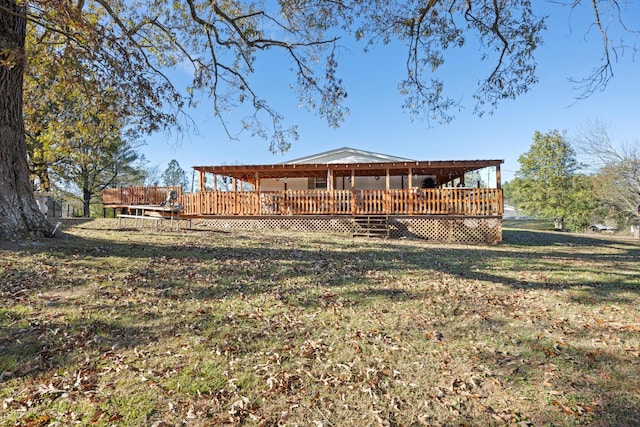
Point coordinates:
[(317, 275), (550, 238), (601, 268), (581, 389), (30, 344), (614, 264)]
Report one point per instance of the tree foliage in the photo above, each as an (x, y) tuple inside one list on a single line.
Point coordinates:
[(95, 166), (175, 175), (617, 170), (549, 185), (78, 130), (141, 173), (132, 45)]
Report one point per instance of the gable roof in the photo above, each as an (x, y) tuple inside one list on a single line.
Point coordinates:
[(349, 161), (346, 155)]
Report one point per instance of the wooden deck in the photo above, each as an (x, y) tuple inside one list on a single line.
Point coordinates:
[(340, 197), (437, 201), (128, 196), (469, 215), (441, 201)]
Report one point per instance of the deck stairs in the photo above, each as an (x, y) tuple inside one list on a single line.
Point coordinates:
[(370, 226)]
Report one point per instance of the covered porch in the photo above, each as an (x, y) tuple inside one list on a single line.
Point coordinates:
[(395, 188), (433, 200)]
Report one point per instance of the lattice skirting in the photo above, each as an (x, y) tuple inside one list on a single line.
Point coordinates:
[(322, 224), (448, 229), (436, 228)]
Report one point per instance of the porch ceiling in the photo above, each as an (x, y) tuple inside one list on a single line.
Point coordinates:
[(443, 170)]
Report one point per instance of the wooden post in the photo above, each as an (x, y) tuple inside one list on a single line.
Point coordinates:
[(411, 193), (387, 197), (202, 179), (332, 202), (257, 207), (354, 201), (236, 208), (498, 177)]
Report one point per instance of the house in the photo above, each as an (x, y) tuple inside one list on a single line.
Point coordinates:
[(350, 190)]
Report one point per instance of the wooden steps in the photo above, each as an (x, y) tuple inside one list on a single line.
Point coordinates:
[(370, 226)]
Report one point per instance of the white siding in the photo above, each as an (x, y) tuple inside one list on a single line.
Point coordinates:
[(340, 183), (278, 185)]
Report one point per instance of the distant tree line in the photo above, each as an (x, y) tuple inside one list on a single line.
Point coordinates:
[(552, 184)]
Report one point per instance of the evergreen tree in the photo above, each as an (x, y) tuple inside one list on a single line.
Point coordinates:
[(174, 175)]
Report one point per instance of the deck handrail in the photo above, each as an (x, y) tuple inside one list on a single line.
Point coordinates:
[(436, 201), (125, 196)]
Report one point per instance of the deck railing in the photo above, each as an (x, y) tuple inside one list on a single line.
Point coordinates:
[(126, 196), (438, 201)]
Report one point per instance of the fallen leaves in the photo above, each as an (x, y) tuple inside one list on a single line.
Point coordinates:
[(260, 329)]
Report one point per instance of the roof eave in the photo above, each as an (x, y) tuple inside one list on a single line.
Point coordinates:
[(344, 169)]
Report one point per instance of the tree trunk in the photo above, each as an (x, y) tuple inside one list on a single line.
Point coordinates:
[(86, 202), (558, 224), (20, 217)]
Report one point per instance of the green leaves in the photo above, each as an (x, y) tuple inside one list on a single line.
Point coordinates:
[(548, 184), (174, 175), (79, 127)]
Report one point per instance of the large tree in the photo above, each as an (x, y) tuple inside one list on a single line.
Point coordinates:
[(549, 185), (131, 44), (78, 127), (18, 210)]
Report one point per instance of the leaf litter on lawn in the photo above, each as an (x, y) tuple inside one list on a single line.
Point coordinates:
[(235, 328)]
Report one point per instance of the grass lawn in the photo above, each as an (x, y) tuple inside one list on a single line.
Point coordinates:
[(200, 328)]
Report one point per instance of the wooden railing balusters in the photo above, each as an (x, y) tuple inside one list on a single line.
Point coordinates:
[(438, 201)]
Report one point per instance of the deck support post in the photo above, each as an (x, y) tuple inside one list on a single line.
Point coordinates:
[(387, 193), (257, 205), (234, 188), (202, 179), (411, 192), (330, 186), (354, 199)]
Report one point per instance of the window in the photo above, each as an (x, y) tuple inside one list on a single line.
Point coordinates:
[(320, 183)]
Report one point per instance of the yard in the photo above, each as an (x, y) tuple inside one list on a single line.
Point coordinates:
[(199, 328)]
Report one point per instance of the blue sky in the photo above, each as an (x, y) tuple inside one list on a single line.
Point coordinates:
[(377, 123)]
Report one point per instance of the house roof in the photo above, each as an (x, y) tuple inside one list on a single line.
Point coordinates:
[(444, 171), (347, 155), (348, 161)]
